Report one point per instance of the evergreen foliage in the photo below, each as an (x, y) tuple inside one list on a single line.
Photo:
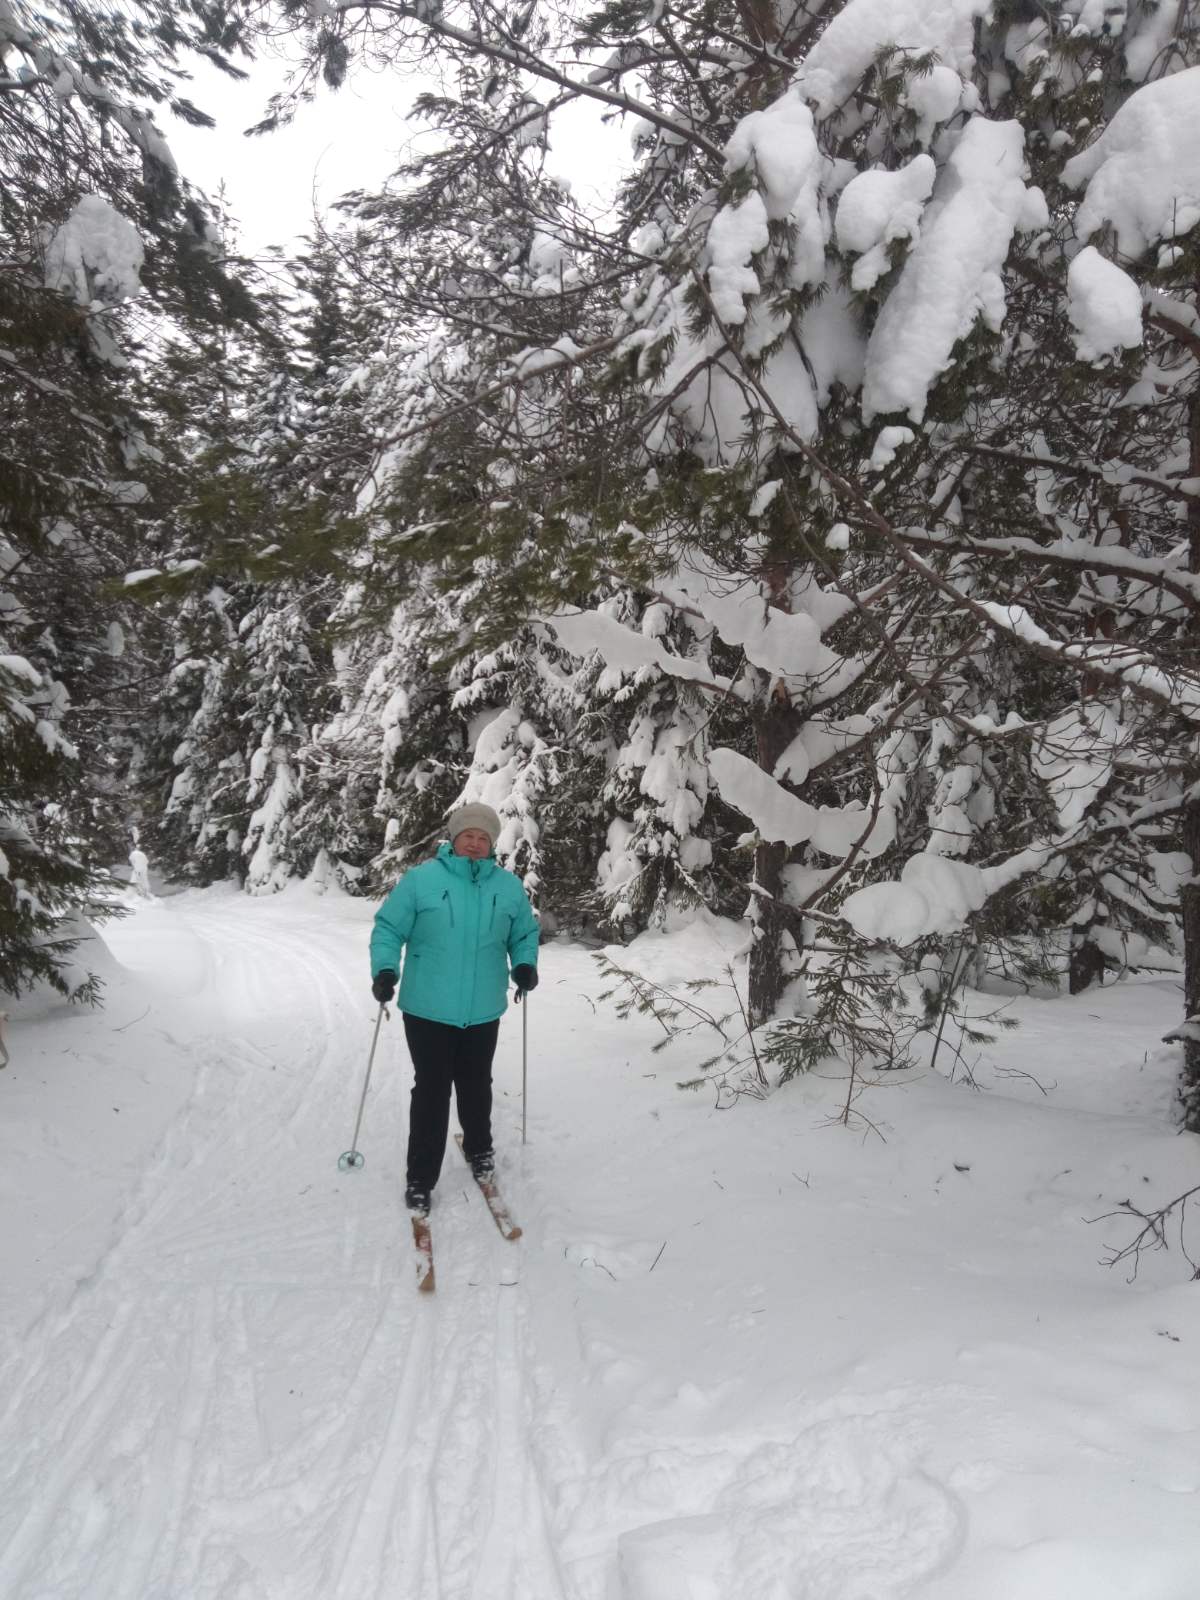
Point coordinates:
[(572, 419), (101, 245), (813, 540)]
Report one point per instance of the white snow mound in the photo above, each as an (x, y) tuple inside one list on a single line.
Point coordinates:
[(1104, 305), (1143, 172)]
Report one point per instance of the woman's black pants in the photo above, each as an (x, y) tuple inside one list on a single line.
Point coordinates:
[(443, 1056)]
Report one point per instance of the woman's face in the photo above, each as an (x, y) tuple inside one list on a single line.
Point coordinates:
[(472, 842)]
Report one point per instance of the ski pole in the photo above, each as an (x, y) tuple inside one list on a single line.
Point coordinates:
[(350, 1160), (524, 1061)]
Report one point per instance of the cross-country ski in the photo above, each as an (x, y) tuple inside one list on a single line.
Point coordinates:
[(490, 1191), (423, 1245)]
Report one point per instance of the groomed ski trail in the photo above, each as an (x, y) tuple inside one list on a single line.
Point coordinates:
[(246, 1398)]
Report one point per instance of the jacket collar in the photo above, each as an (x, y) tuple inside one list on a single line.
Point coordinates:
[(463, 867)]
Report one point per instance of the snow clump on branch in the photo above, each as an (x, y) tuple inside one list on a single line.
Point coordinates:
[(877, 208), (953, 275), (1143, 172), (864, 29), (96, 256), (1104, 304)]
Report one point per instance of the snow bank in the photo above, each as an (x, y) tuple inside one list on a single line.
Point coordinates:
[(1143, 172), (952, 276), (627, 1417)]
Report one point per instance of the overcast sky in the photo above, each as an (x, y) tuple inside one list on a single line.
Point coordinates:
[(351, 139)]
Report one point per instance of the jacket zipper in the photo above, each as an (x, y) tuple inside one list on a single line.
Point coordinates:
[(449, 905), (475, 961), (492, 919)]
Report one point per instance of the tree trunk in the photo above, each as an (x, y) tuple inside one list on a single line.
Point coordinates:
[(775, 726), (1087, 966), (777, 720), (1190, 897), (1190, 904)]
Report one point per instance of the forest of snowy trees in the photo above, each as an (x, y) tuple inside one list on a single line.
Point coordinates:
[(815, 537)]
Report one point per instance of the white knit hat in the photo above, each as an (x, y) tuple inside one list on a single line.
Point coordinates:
[(475, 815)]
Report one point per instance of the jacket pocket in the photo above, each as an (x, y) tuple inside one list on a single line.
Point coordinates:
[(449, 904)]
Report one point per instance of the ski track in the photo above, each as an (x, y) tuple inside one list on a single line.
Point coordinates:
[(245, 1398)]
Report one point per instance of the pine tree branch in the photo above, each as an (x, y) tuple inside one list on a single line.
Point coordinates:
[(1140, 676), (517, 55), (1075, 556), (1113, 477)]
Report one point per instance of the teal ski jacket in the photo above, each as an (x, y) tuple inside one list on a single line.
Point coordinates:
[(460, 923)]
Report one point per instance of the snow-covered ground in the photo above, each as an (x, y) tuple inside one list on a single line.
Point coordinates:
[(738, 1355)]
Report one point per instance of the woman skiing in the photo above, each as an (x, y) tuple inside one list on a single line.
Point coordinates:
[(461, 920)]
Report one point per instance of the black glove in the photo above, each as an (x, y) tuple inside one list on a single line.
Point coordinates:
[(525, 977), (383, 986)]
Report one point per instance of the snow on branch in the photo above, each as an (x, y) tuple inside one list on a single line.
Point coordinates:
[(1143, 172), (1119, 663), (582, 632), (781, 817), (96, 256), (532, 362), (878, 207), (1104, 305), (787, 644), (935, 894), (862, 30), (953, 274)]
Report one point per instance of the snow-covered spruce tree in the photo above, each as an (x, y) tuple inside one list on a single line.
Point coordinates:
[(189, 770), (279, 688), (854, 266), (244, 671), (456, 700), (394, 750), (100, 242), (1000, 403), (1050, 474), (43, 874), (622, 496), (306, 428), (665, 849), (240, 598)]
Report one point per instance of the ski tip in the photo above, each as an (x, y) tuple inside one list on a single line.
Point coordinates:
[(423, 1240)]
